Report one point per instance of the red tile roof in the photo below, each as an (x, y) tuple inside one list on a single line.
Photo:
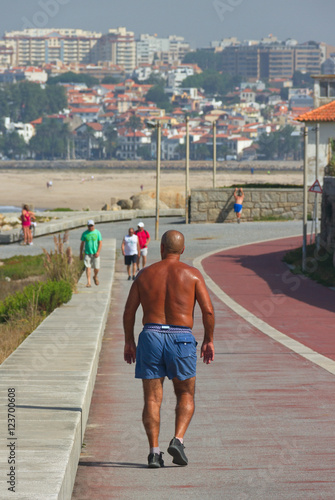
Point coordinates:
[(325, 113)]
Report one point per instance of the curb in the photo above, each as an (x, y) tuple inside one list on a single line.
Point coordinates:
[(53, 373), (72, 221)]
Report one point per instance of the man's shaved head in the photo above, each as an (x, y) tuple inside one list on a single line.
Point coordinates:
[(173, 242)]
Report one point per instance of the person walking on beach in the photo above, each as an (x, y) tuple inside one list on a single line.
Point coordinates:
[(239, 197), (26, 219), (131, 250), (167, 292), (144, 239), (91, 243)]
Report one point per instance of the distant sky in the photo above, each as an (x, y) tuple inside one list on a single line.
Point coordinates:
[(199, 21)]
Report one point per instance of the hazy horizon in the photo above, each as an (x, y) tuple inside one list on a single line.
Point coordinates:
[(199, 22)]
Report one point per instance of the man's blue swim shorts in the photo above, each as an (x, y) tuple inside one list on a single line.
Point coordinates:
[(237, 208), (166, 351)]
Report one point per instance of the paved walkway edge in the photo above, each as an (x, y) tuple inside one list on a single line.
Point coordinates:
[(53, 373), (71, 220), (293, 345)]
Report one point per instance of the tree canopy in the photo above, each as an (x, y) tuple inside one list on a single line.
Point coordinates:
[(26, 101), (213, 82), (51, 140), (157, 95), (279, 144), (71, 77)]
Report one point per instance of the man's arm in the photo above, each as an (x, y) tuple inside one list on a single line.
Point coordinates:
[(205, 303), (235, 195), (122, 246), (99, 249), (81, 250), (148, 238), (138, 247), (129, 315)]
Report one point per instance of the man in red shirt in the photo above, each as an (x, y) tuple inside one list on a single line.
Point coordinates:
[(144, 239)]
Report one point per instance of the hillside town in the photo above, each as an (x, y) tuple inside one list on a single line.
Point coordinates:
[(104, 95)]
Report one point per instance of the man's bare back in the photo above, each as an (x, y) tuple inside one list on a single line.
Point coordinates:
[(167, 292)]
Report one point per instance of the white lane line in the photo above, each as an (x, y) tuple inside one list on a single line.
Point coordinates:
[(285, 340)]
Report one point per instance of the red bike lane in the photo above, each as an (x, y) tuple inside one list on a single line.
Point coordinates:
[(257, 279)]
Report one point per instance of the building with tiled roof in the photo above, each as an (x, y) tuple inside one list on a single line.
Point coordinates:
[(325, 117)]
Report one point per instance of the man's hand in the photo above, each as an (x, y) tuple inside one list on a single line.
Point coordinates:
[(130, 352), (81, 256), (207, 352)]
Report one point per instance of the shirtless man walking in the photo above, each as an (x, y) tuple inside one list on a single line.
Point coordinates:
[(167, 292)]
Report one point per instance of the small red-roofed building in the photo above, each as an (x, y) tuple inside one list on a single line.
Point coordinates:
[(324, 117)]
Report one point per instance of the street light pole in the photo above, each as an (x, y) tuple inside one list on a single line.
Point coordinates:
[(305, 195), (187, 177), (214, 155), (317, 139), (158, 173)]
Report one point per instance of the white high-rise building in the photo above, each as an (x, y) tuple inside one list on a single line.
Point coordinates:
[(170, 50), (119, 47), (39, 46)]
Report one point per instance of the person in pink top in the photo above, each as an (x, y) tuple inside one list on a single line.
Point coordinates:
[(26, 218)]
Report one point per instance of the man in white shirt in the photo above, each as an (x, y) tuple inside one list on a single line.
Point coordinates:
[(131, 250)]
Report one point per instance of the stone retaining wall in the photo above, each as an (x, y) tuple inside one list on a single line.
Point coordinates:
[(217, 205), (328, 212)]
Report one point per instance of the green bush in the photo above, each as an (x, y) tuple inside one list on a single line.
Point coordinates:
[(47, 297)]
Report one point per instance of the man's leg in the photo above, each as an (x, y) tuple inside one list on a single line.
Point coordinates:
[(128, 271), (153, 395), (88, 276), (184, 390), (144, 260)]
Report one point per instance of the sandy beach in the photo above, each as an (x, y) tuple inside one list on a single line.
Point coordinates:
[(81, 190)]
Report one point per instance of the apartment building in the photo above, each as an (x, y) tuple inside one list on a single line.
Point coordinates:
[(39, 46), (277, 60), (119, 47), (169, 50), (6, 55)]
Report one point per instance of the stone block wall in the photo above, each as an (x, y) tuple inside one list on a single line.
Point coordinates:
[(217, 205), (328, 212)]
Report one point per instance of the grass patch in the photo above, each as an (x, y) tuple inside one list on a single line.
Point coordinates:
[(21, 267), (62, 209), (38, 284), (319, 264), (272, 218)]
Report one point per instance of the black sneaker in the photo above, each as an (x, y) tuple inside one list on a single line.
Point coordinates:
[(129, 278), (176, 449), (155, 461)]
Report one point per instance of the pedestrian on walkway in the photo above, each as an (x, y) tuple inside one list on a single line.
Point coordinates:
[(144, 239), (91, 243), (26, 219), (131, 250), (167, 292), (239, 197)]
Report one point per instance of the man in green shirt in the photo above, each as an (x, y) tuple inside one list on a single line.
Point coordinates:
[(91, 243)]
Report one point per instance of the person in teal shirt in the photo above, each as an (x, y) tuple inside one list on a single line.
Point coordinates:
[(91, 243)]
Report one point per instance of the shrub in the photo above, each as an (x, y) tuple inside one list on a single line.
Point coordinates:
[(60, 265), (47, 296)]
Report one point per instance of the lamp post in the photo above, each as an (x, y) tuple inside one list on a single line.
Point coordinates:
[(187, 177), (305, 194), (317, 139), (214, 155), (158, 173)]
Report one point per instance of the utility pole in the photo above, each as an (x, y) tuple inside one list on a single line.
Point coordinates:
[(305, 195), (158, 172), (214, 155), (187, 177), (316, 211)]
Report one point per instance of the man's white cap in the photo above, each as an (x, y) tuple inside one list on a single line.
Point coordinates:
[(90, 222), (140, 224)]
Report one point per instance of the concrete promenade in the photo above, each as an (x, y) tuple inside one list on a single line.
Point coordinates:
[(264, 423)]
